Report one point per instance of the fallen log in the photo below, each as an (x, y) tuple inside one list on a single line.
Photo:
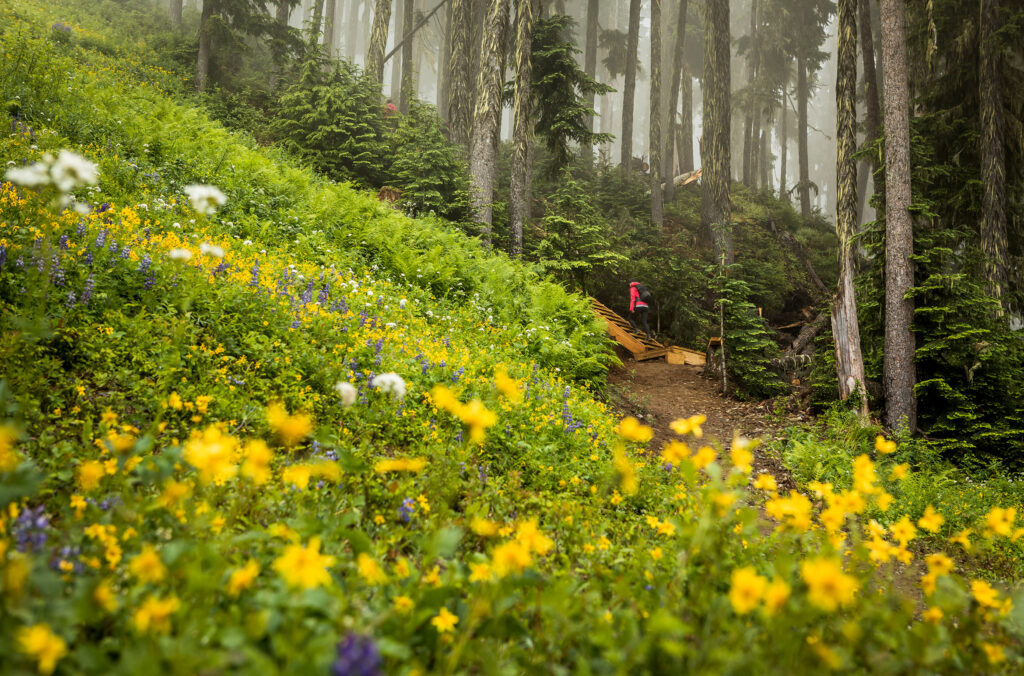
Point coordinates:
[(807, 334)]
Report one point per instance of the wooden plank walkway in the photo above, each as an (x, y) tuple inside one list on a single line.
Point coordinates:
[(640, 347)]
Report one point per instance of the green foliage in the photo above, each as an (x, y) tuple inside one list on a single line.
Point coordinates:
[(748, 348), (426, 166), (559, 89), (576, 242)]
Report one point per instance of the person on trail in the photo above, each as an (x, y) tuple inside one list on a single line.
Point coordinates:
[(639, 296)]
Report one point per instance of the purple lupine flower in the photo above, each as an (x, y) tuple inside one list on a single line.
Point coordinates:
[(90, 284), (150, 282), (145, 263), (56, 272), (113, 245), (357, 656), (255, 281), (63, 242), (307, 295), (325, 295), (70, 302), (406, 511), (19, 262), (88, 258), (101, 238), (3, 255), (103, 207), (30, 529), (125, 253), (80, 230), (223, 267)]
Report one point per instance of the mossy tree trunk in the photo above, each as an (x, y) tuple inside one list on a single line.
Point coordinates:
[(205, 46), (522, 128), (993, 152), (873, 113), (803, 93), (408, 85), (669, 167), (845, 328), (378, 39), (590, 67), (486, 118), (460, 111)]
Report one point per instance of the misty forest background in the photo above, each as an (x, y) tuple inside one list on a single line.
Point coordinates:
[(856, 232)]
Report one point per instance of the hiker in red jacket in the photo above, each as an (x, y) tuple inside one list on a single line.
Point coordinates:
[(639, 295)]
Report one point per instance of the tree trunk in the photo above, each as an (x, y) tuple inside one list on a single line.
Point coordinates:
[(898, 366), (354, 23), (678, 57), (329, 27), (395, 93), (205, 45), (873, 116), (408, 19), (318, 18), (784, 143), (993, 154), (175, 13), (763, 162), (522, 128), (629, 86), (846, 330), (378, 40), (444, 66), (590, 67), (749, 138), (684, 134), (486, 118), (715, 155), (654, 139), (802, 94), (459, 90)]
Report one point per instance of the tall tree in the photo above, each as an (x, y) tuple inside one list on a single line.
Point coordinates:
[(684, 133), (444, 65), (205, 46), (898, 365), (993, 151), (748, 120), (408, 20), (715, 152), (330, 27), (486, 118), (460, 91), (521, 126), (378, 40), (873, 113), (590, 66), (678, 64), (629, 86), (317, 22), (784, 143), (803, 93), (657, 196), (175, 11), (845, 328)]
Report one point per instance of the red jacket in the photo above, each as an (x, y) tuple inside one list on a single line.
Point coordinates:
[(634, 297)]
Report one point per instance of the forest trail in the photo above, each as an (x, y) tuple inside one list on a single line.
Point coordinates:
[(658, 393)]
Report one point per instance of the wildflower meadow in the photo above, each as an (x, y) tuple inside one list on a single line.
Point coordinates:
[(252, 421)]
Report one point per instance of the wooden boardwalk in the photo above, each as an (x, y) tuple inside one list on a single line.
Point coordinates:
[(641, 348)]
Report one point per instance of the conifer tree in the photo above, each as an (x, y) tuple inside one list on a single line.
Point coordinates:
[(629, 86), (590, 66), (993, 151), (678, 73), (521, 126), (460, 111), (657, 196), (898, 367), (715, 152)]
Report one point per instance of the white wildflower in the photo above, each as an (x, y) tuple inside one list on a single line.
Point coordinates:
[(347, 393), (205, 198), (402, 303), (389, 383), (179, 254), (211, 250), (71, 171), (33, 176)]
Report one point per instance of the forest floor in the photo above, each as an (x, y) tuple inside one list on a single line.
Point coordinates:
[(658, 393)]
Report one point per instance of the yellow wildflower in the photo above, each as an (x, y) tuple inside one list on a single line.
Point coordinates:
[(508, 386), (631, 429), (674, 452), (994, 653), (297, 475), (746, 590), (212, 453), (103, 595), (883, 446), (704, 456), (963, 539), (147, 566), (775, 596), (174, 401), (304, 567), (691, 425), (173, 493), (531, 537), (828, 586), (741, 456), (41, 644), (627, 474), (656, 553), (403, 604), (243, 578), (1000, 521), (864, 476), (444, 621), (9, 457), (89, 474), (256, 466), (931, 521), (154, 616), (290, 428), (510, 557), (483, 527), (933, 615), (480, 572), (984, 594), (370, 570), (900, 471), (884, 501), (765, 482), (903, 530), (478, 417), (400, 465)]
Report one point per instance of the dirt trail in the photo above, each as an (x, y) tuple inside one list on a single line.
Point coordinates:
[(658, 393)]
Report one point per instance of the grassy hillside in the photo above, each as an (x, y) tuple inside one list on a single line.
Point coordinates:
[(302, 431)]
